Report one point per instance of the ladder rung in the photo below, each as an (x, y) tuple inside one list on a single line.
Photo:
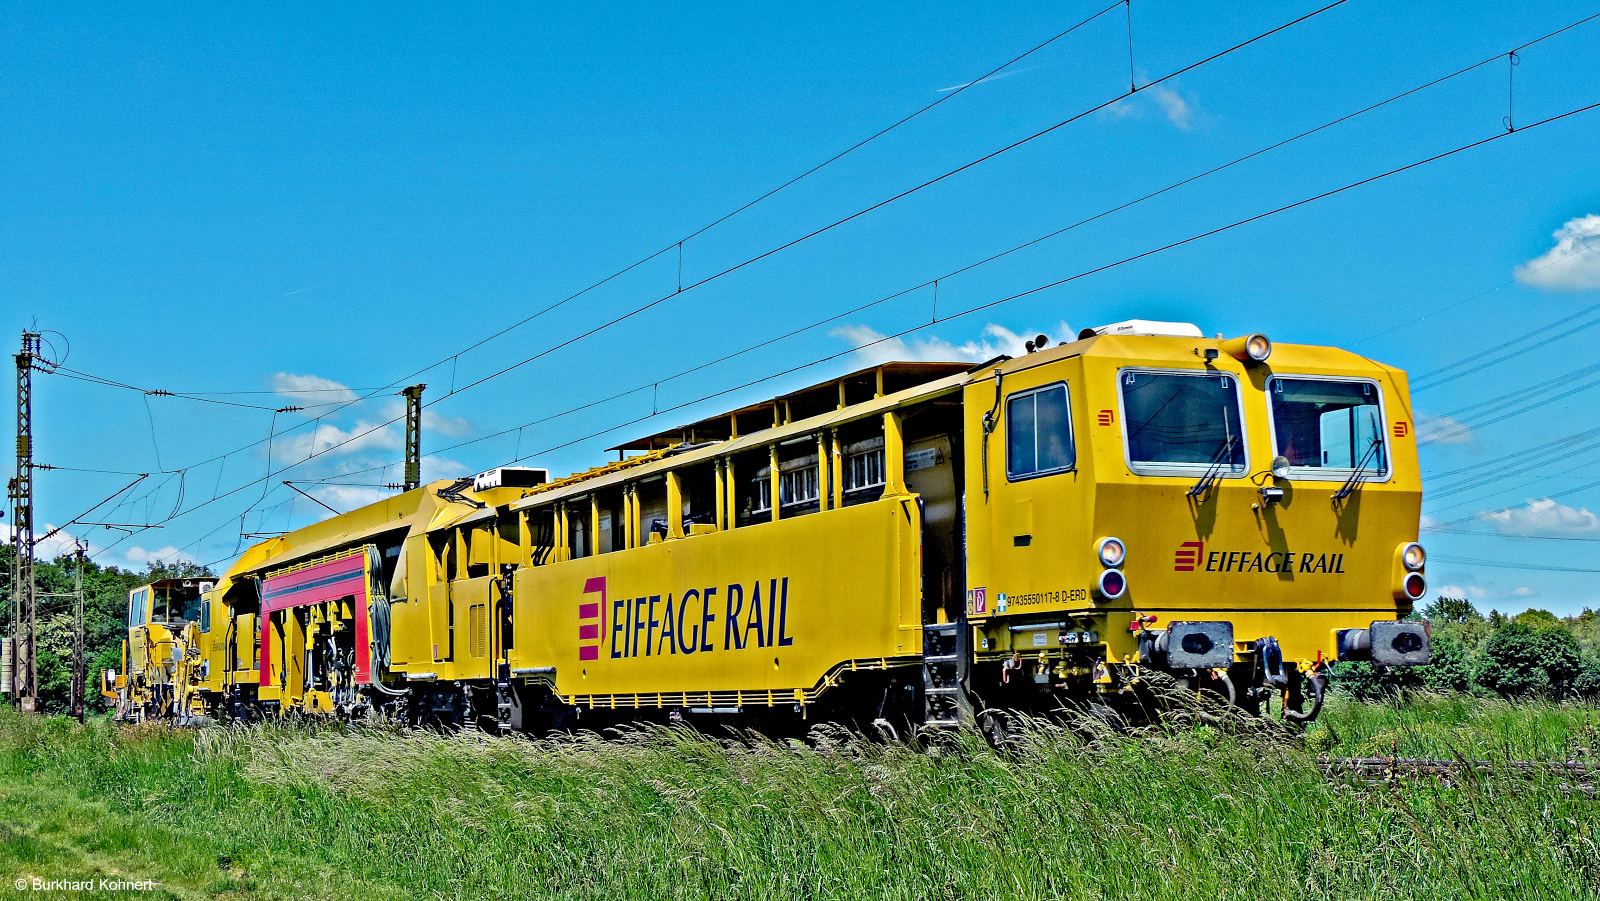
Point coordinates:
[(942, 690), (938, 659), (943, 723), (941, 627)]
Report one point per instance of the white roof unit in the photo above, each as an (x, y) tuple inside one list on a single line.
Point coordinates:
[(510, 477), (1145, 327)]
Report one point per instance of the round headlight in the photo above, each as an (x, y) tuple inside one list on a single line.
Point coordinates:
[(1415, 586), (1111, 552), (1258, 348), (1414, 557), (1112, 585), (1280, 467)]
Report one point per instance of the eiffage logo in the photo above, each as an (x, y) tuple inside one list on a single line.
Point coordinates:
[(1188, 556)]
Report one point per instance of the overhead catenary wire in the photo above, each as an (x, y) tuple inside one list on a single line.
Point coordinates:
[(1079, 275), (934, 282), (637, 310), (935, 321), (367, 394), (1057, 283), (454, 357), (1514, 535), (882, 203), (1507, 564)]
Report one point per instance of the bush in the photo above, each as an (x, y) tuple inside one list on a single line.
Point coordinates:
[(1521, 660)]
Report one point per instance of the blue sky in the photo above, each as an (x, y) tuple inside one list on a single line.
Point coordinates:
[(275, 199)]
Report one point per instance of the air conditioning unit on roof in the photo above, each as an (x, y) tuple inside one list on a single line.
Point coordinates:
[(510, 477), (1145, 327)]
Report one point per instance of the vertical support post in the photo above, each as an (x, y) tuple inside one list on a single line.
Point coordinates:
[(563, 534), (721, 497), (413, 397), (79, 677), (878, 390), (627, 518), (836, 464), (894, 455), (733, 495), (594, 524), (674, 504), (23, 588), (824, 472), (636, 518), (775, 478)]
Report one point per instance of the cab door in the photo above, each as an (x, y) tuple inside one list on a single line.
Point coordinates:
[(1028, 491), (138, 630)]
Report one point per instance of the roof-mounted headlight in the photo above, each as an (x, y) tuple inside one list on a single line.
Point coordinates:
[(1252, 348), (1111, 552)]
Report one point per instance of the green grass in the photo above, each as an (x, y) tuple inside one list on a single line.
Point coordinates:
[(1205, 808)]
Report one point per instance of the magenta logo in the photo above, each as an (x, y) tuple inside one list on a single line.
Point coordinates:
[(591, 619)]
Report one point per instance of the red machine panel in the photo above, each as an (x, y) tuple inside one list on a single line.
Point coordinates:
[(346, 577)]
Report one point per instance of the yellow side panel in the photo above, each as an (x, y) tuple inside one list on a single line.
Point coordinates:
[(439, 619), (765, 607), (470, 601)]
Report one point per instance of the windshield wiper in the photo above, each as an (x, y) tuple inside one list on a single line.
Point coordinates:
[(1361, 466), (1213, 472)]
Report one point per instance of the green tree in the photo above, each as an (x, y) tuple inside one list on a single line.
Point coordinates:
[(1521, 660)]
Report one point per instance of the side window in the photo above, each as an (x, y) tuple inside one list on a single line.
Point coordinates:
[(1039, 433), (205, 616)]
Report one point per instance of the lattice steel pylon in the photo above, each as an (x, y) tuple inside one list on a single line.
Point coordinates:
[(413, 397), (21, 495)]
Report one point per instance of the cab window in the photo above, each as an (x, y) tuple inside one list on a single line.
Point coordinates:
[(1182, 422), (1038, 432), (1327, 426), (137, 601)]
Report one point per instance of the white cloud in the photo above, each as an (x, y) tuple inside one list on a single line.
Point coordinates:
[(1442, 430), (311, 389), (994, 340), (1545, 517), (1006, 74), (435, 468), (343, 498), (329, 438), (1176, 108), (454, 426), (1571, 265), (60, 544)]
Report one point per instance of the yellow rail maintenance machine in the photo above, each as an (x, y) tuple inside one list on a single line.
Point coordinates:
[(916, 544)]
